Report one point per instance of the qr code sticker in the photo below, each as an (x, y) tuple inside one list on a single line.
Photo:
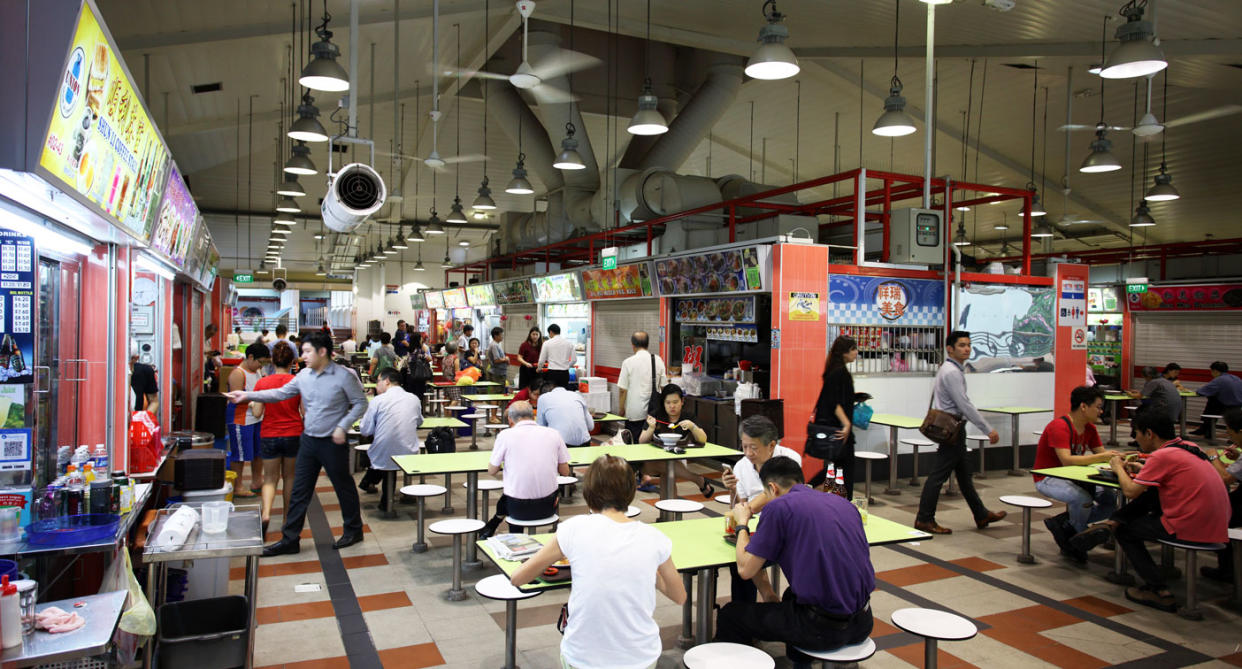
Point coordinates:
[(13, 448)]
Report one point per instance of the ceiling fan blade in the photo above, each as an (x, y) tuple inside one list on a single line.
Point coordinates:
[(1224, 110), (480, 74), (551, 95), (563, 61), (1073, 127), (474, 158)]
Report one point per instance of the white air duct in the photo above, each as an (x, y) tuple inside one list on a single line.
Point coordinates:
[(356, 192)]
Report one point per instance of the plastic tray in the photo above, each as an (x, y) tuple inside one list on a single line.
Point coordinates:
[(73, 530)]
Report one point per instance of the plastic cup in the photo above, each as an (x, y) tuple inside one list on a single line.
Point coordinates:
[(216, 516), (860, 503), (10, 526)]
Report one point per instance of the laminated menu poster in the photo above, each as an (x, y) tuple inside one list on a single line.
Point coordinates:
[(480, 296), (17, 305), (716, 310), (514, 292), (100, 141), (178, 218), (418, 301), (435, 299), (455, 298), (624, 281), (557, 288), (729, 271)]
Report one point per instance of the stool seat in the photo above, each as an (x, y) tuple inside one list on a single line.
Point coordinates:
[(423, 490), (1131, 407), (870, 455), (437, 400), (362, 447), (1208, 415), (498, 587), (855, 653), (933, 624), (977, 437), (486, 406), (1235, 534), (490, 484), (679, 505), (532, 523), (721, 655), (473, 416), (1026, 502), (456, 408), (1192, 545), (495, 426), (632, 511), (914, 441), (724, 498), (456, 525), (566, 480)]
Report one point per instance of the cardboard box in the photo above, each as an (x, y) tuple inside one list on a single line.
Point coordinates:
[(594, 384), (601, 401)]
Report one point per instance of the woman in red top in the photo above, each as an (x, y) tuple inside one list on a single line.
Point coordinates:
[(281, 432), (528, 357)]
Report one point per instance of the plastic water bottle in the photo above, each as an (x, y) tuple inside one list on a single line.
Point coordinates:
[(101, 458)]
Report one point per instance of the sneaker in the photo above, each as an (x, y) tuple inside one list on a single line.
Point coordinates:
[(1091, 537), (1060, 530), (1077, 557)]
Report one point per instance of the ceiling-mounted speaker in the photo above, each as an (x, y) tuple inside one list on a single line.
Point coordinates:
[(280, 278), (356, 192)]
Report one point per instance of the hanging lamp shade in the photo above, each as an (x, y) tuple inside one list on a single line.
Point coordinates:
[(284, 218), (418, 267), (321, 271), (288, 205), (398, 242), (446, 263), (1137, 55), (960, 238), (519, 185), (307, 127), (1101, 158), (434, 226), (290, 187), (647, 120), (1142, 217), (1041, 230), (1163, 191), (456, 215), (283, 232), (569, 159), (1037, 205), (415, 235), (299, 162), (484, 199), (323, 73), (894, 122), (772, 60)]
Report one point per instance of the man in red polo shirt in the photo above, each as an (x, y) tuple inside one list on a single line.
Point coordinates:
[(1176, 495)]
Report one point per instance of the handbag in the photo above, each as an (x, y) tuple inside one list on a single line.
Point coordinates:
[(862, 415), (941, 427), (822, 442), (420, 369), (655, 403)]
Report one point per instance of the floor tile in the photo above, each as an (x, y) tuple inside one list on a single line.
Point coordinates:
[(911, 575)]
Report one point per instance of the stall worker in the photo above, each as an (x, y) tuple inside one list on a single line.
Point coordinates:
[(392, 418), (820, 544), (246, 422), (557, 356), (1073, 440), (566, 412), (463, 342), (233, 341), (1177, 494), (1231, 475), (531, 457), (528, 358), (1223, 392)]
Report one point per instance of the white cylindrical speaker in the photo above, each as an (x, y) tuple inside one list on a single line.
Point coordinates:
[(355, 193)]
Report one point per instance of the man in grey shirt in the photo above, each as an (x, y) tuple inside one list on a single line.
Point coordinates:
[(333, 399), (1160, 393), (949, 394), (393, 418), (497, 359)]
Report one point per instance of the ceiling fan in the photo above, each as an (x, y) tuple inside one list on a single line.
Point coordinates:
[(1148, 125), (533, 78)]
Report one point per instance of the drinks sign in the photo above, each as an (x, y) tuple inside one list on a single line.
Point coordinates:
[(100, 143), (17, 259), (177, 218)]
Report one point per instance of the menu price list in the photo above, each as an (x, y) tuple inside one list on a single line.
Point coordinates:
[(17, 254)]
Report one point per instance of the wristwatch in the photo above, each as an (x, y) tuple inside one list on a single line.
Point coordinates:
[(740, 528)]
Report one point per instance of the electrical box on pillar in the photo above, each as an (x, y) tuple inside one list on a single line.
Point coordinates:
[(916, 236)]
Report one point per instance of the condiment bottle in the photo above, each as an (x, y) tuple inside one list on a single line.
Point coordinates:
[(10, 614)]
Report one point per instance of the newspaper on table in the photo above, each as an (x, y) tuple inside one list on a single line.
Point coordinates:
[(513, 546)]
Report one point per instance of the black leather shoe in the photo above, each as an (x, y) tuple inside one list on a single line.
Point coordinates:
[(347, 540), (282, 547)]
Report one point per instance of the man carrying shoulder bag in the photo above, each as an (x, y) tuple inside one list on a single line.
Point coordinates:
[(949, 397)]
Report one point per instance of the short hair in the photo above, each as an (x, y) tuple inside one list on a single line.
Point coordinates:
[(608, 484), (1220, 366), (951, 338), (782, 471), (319, 340), (283, 354), (497, 331), (1084, 395), (450, 347), (1150, 372), (1172, 367), (521, 411), (1155, 421), (546, 386), (401, 322), (282, 329), (640, 339), (263, 331), (237, 329), (390, 375), (385, 338), (760, 427), (1233, 419), (554, 329), (473, 340), (536, 386), (258, 351), (467, 328)]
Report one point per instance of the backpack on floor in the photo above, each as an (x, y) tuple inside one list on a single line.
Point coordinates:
[(441, 440)]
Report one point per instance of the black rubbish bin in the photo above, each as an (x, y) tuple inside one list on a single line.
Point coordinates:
[(204, 633)]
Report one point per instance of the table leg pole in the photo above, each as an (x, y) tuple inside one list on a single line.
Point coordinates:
[(1025, 557), (867, 466), (1112, 427), (511, 634), (668, 487), (457, 593), (390, 504), (929, 653), (149, 651), (472, 509), (252, 594), (686, 640), (1013, 425), (1185, 405), (1236, 602), (448, 494), (420, 544), (710, 609), (1119, 575), (703, 604), (892, 462)]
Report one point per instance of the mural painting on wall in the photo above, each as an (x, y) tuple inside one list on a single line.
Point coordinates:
[(1012, 328)]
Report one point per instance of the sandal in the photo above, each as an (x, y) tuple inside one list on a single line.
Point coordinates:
[(247, 495), (1148, 597), (706, 489)]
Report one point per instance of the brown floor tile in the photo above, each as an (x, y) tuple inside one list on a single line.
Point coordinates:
[(1099, 607), (913, 654), (283, 569), (1069, 658), (880, 628), (531, 616), (293, 612), (977, 564), (1030, 619), (389, 600), (360, 561), (914, 575), (1234, 659), (341, 662), (412, 657)]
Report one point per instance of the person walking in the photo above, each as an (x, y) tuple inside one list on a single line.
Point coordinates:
[(835, 405), (333, 399), (642, 376), (280, 434), (559, 356), (383, 356), (401, 340), (949, 394), (497, 359), (392, 419), (244, 422), (528, 358)]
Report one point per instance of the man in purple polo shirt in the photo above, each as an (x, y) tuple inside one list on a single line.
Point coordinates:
[(819, 542)]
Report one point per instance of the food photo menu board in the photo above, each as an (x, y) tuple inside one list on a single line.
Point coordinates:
[(715, 310), (557, 288), (727, 271), (435, 299), (101, 143), (513, 292), (480, 296), (178, 216), (624, 281), (455, 298), (418, 301)]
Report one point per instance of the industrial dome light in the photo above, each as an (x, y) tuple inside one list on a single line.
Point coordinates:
[(772, 60)]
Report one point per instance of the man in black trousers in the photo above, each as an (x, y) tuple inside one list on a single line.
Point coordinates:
[(333, 399)]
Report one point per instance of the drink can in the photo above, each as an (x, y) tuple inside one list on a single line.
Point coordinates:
[(730, 523)]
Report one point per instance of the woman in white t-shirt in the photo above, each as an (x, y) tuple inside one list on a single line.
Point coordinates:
[(618, 564)]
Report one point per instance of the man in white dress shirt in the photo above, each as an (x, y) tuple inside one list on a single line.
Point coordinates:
[(559, 354)]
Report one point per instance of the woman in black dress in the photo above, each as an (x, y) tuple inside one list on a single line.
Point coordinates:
[(835, 405)]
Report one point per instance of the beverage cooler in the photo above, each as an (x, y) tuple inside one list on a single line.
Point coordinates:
[(1104, 334), (559, 297)]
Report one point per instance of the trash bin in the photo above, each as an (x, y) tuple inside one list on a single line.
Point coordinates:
[(204, 633)]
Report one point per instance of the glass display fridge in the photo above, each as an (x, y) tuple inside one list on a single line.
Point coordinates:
[(560, 301)]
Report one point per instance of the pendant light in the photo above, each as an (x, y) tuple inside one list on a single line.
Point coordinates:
[(288, 205), (1041, 230), (647, 120), (1163, 191), (446, 263), (519, 185), (379, 253), (398, 240), (389, 250), (434, 226), (307, 127), (464, 243), (418, 267), (1142, 216), (772, 60), (323, 73), (283, 232), (415, 236), (300, 163), (483, 201), (960, 238), (321, 271), (455, 212), (569, 159), (284, 218), (456, 215), (1100, 159), (894, 122), (290, 187), (1137, 55)]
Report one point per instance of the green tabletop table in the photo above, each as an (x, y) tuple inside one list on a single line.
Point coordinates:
[(1079, 474), (1113, 400), (1014, 414), (650, 453), (469, 462), (433, 422), (488, 398), (894, 422), (610, 418), (699, 549), (1185, 395), (476, 384)]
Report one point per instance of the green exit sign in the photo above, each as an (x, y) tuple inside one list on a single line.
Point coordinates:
[(609, 257), (610, 262), (1136, 288), (243, 278)]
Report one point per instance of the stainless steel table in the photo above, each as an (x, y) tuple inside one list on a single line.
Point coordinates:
[(101, 612), (244, 538)]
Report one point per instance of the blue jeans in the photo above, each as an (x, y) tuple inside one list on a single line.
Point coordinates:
[(1084, 508)]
